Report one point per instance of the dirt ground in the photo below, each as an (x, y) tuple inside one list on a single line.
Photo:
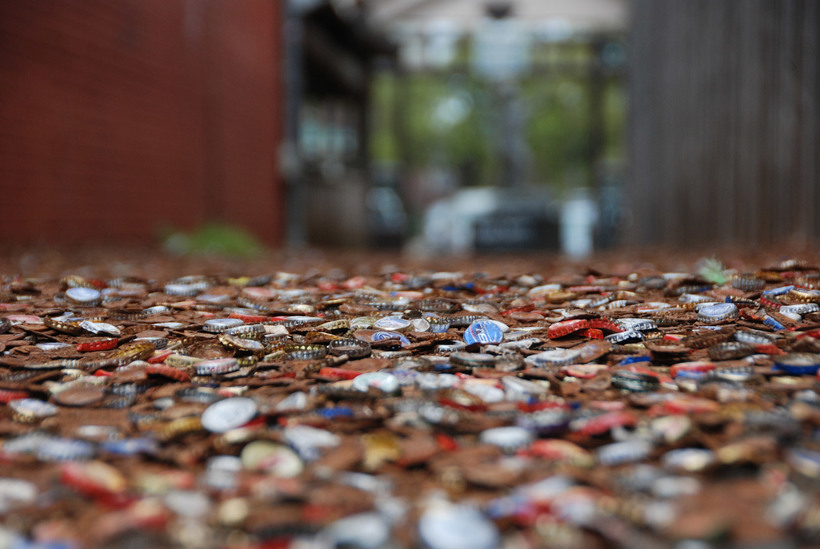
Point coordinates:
[(154, 262)]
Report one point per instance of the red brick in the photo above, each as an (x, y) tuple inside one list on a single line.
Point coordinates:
[(117, 118)]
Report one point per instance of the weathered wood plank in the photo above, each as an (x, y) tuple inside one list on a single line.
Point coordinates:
[(724, 124)]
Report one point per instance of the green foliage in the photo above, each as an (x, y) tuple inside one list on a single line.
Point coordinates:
[(431, 142), (615, 121), (408, 128), (383, 145), (213, 239), (712, 270), (558, 132), (427, 138)]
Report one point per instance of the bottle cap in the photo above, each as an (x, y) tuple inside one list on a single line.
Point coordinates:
[(32, 409), (627, 451), (83, 394), (224, 415), (800, 309), (182, 290), (242, 344), (130, 446), (99, 328), (15, 493), (351, 347), (553, 357), (798, 363), (780, 290), (446, 526), (83, 296), (635, 381), (772, 322), (753, 337), (805, 295), (218, 325), (363, 530), (383, 381), (306, 352), (309, 441), (382, 336), (690, 460), (566, 327), (638, 324), (717, 312), (393, 324), (217, 366), (472, 360), (509, 439), (623, 337), (65, 449), (483, 332)]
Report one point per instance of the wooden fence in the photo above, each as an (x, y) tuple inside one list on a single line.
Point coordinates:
[(724, 123)]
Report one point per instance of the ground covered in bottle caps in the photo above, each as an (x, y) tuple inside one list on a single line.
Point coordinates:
[(325, 399)]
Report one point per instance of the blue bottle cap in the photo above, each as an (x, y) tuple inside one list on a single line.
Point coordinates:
[(130, 446), (634, 359), (769, 321), (484, 332), (782, 290), (504, 327), (381, 336), (690, 374), (337, 412), (798, 363)]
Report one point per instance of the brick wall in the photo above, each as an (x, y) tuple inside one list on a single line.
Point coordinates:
[(119, 118)]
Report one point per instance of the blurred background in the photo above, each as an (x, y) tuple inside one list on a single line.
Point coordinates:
[(429, 126)]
